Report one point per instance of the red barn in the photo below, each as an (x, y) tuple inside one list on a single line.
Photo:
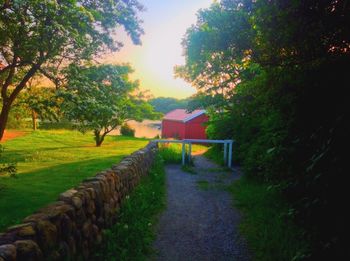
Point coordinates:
[(180, 124)]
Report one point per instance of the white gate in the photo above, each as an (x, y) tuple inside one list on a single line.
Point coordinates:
[(190, 141)]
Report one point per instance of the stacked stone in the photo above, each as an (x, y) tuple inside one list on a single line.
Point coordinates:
[(71, 227)]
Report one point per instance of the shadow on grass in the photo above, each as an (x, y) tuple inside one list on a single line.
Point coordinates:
[(21, 196)]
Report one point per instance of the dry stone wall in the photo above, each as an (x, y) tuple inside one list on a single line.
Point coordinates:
[(69, 228)]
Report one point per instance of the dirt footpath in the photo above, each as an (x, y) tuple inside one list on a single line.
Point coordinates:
[(12, 134), (200, 222)]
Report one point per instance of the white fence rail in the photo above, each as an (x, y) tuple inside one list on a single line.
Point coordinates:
[(189, 142)]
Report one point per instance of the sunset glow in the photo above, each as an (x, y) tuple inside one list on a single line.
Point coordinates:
[(165, 24)]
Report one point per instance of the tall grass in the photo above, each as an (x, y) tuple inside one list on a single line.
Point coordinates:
[(172, 153), (267, 222), (215, 153)]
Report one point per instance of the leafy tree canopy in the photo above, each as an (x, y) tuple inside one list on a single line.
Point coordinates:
[(99, 98), (273, 76), (45, 36)]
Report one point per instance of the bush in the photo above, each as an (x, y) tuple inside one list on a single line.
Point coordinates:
[(171, 153), (18, 122), (57, 125), (7, 167), (126, 130)]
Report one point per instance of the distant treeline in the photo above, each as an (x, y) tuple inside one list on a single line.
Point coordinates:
[(167, 104)]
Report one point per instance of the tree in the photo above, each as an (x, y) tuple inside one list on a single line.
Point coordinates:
[(35, 102), (42, 37), (99, 98), (42, 103), (276, 72), (216, 49)]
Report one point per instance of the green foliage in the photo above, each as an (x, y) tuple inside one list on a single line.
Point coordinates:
[(203, 184), (126, 130), (171, 154), (132, 237), (140, 109), (19, 117), (189, 169), (49, 163), (7, 168), (32, 104), (272, 76), (215, 153), (42, 37), (62, 124), (96, 96), (268, 222), (42, 103), (99, 98), (167, 104)]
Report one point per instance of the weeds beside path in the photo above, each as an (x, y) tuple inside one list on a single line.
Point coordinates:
[(132, 236), (200, 222)]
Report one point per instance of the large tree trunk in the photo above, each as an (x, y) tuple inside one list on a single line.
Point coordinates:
[(5, 110), (7, 100), (99, 142)]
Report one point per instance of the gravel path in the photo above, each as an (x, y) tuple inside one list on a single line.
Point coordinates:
[(200, 222)]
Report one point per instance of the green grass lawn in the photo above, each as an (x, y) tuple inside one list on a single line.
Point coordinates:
[(50, 162)]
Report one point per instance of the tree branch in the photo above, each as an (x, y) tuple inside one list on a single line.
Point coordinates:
[(8, 80), (52, 78), (24, 81)]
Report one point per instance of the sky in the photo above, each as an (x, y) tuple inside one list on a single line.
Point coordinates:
[(165, 24)]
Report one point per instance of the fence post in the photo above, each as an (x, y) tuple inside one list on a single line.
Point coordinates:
[(230, 155), (183, 153), (225, 152)]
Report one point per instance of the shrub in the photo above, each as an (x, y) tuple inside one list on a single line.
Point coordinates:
[(171, 153), (126, 130), (57, 125), (7, 167)]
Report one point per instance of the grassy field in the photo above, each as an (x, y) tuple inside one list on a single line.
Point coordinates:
[(50, 162)]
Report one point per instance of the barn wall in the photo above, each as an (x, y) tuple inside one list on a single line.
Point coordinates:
[(173, 129), (195, 128), (69, 228)]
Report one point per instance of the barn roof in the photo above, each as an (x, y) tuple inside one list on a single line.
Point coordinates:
[(182, 115)]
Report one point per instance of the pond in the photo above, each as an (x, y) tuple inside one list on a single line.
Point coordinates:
[(144, 129)]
